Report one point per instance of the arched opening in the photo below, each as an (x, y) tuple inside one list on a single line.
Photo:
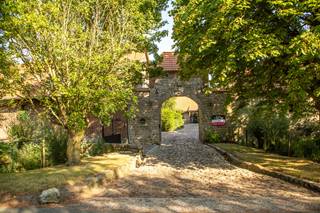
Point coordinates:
[(179, 119)]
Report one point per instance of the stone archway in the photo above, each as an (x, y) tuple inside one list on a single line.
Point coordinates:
[(145, 127), (198, 115)]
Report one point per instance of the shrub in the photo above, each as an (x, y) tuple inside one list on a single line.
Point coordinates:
[(57, 141), (256, 128), (276, 134), (29, 134), (8, 157), (307, 148), (24, 130), (171, 118), (29, 156), (85, 148), (212, 136), (98, 147), (270, 132)]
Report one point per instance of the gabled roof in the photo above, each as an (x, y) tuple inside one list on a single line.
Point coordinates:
[(169, 62)]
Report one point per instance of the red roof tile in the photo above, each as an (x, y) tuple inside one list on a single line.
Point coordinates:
[(170, 62)]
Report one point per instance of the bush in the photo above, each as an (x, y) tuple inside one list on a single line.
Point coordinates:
[(24, 131), (270, 132), (29, 135), (307, 148), (171, 118), (57, 142), (98, 147), (212, 136), (8, 157), (29, 156), (256, 128)]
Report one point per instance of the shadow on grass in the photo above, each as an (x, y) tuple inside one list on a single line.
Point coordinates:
[(34, 181), (298, 167)]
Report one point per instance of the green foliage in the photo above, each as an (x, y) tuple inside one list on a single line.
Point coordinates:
[(56, 143), (273, 132), (170, 104), (154, 70), (98, 147), (212, 136), (269, 130), (256, 49), (36, 129), (25, 130), (308, 148), (29, 137), (29, 156), (76, 55), (256, 128), (171, 118), (8, 157)]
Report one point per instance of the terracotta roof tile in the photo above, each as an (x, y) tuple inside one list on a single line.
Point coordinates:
[(170, 62)]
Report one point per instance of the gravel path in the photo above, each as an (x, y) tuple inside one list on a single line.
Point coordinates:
[(183, 175)]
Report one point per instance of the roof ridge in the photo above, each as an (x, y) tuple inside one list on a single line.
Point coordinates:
[(169, 62)]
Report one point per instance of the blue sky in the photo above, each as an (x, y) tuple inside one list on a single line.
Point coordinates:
[(166, 42)]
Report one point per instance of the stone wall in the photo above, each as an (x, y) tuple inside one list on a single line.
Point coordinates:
[(145, 128), (8, 115)]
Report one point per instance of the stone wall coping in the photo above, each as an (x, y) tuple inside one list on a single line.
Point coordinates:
[(262, 170)]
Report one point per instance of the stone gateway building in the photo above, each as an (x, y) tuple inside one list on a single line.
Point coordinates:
[(145, 128)]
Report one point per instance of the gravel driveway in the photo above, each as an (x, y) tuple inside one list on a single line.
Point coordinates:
[(183, 175)]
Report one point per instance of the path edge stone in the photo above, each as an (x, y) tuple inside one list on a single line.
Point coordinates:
[(262, 170)]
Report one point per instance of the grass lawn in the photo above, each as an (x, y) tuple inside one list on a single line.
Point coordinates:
[(36, 180), (297, 167)]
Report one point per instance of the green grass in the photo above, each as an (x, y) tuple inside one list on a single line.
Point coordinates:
[(297, 167), (36, 180)]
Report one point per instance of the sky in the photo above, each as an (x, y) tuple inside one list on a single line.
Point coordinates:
[(166, 42)]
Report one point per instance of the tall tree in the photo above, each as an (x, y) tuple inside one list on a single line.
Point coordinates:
[(6, 69), (265, 49), (75, 56)]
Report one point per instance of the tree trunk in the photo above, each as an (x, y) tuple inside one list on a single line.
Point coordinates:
[(74, 149), (260, 142), (318, 108)]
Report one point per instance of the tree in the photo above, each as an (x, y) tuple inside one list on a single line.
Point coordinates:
[(7, 72), (267, 50), (75, 56)]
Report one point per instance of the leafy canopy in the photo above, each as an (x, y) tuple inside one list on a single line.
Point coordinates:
[(265, 49), (74, 55)]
